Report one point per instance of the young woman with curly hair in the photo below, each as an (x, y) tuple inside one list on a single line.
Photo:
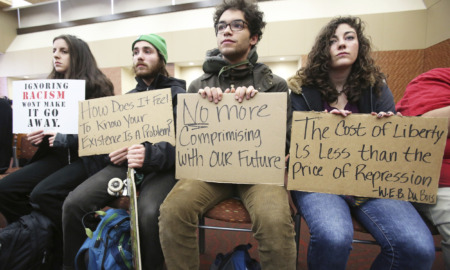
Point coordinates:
[(340, 77)]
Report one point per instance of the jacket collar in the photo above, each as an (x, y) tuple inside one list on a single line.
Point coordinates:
[(159, 82), (215, 63)]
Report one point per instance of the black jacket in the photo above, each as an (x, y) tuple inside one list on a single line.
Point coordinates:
[(306, 98)]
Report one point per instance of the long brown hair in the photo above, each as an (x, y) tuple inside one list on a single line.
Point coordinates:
[(161, 66), (364, 72), (82, 66)]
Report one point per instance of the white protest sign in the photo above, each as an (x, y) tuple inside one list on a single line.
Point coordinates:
[(49, 105)]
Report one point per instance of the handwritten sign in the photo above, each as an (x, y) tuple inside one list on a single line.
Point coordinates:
[(396, 157), (47, 105), (109, 123), (232, 142)]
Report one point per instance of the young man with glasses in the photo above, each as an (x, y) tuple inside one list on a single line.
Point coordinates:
[(232, 67)]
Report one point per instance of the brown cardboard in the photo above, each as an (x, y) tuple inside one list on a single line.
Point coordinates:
[(109, 123), (396, 157), (260, 128)]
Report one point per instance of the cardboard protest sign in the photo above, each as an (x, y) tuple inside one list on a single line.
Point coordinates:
[(232, 142), (109, 123), (49, 105), (396, 157)]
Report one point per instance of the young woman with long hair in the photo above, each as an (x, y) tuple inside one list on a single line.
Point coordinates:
[(56, 169), (341, 77)]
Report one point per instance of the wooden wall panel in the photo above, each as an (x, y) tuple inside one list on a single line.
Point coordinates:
[(115, 75), (400, 67), (437, 56), (170, 68)]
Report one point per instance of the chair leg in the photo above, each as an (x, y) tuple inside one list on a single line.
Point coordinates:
[(201, 235)]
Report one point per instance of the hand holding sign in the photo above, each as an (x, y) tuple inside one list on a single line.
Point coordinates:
[(136, 156), (51, 137), (35, 137), (212, 93), (119, 156), (245, 92)]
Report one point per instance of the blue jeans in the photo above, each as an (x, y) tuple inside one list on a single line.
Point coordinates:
[(405, 240)]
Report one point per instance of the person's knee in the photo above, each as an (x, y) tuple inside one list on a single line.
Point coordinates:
[(336, 240), (423, 251), (171, 211), (71, 203), (332, 237), (419, 250), (40, 197), (273, 217)]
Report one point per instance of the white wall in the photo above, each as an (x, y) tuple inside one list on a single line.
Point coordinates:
[(283, 69), (290, 32), (283, 10), (190, 73)]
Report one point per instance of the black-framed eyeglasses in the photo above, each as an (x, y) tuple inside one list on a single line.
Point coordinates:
[(236, 25)]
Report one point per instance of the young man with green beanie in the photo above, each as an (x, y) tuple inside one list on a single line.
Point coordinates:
[(154, 162), (231, 67)]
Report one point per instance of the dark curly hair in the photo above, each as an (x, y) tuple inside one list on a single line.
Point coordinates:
[(82, 66), (364, 72), (252, 14)]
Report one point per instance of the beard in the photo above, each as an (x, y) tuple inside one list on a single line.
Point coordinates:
[(148, 73)]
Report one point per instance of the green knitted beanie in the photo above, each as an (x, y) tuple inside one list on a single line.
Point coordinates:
[(155, 40)]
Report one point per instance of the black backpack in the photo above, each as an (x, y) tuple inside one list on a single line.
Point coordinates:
[(27, 243), (238, 259)]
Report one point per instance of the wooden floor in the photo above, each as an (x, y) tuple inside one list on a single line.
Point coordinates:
[(361, 256)]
